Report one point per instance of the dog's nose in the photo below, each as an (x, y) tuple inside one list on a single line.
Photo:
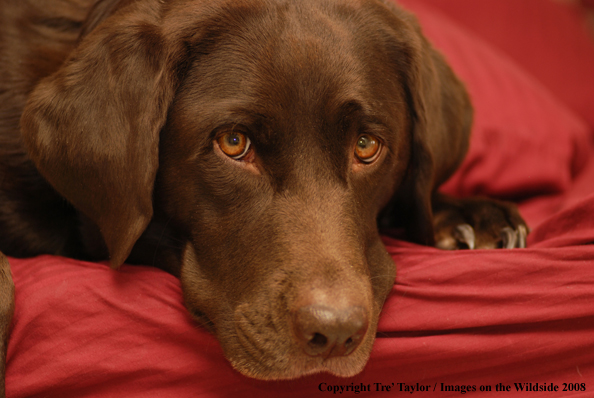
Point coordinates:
[(330, 332)]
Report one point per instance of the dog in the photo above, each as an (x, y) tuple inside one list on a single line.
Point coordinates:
[(249, 147)]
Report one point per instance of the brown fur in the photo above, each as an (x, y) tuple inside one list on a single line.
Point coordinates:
[(120, 103)]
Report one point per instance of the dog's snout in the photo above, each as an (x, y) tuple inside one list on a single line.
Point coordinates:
[(328, 331)]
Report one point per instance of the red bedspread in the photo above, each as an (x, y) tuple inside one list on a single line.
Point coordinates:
[(457, 321)]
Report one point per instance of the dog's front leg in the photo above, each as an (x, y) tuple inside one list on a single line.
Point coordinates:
[(6, 311)]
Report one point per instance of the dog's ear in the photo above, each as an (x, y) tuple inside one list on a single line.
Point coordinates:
[(441, 119), (92, 128)]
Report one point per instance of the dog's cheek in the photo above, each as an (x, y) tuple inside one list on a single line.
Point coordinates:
[(202, 294), (382, 270), (263, 347)]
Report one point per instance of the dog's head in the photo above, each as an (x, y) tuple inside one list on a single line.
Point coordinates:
[(271, 134)]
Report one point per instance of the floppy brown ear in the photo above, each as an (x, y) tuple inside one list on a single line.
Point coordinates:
[(441, 119), (92, 128)]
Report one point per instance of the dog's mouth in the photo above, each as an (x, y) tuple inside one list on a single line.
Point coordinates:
[(284, 320), (268, 339), (278, 349)]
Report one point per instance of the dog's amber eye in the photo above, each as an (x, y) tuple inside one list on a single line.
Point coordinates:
[(234, 144), (367, 148)]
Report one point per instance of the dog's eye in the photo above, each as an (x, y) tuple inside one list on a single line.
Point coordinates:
[(367, 148), (233, 144)]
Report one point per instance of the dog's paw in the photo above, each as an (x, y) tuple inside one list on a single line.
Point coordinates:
[(477, 223)]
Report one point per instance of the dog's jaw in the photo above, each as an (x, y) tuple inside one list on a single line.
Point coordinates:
[(257, 336), (256, 362)]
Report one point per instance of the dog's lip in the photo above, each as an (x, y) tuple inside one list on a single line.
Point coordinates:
[(259, 361), (301, 366), (252, 365)]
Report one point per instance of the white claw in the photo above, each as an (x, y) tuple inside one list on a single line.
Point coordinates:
[(509, 237), (465, 234), (522, 233)]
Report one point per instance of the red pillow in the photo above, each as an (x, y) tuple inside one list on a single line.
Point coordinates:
[(524, 142), (548, 38), (464, 318)]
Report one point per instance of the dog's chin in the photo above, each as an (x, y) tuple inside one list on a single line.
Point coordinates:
[(266, 356), (258, 336), (295, 365), (340, 367)]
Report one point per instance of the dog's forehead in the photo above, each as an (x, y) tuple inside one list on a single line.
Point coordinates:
[(299, 60), (289, 52), (295, 71)]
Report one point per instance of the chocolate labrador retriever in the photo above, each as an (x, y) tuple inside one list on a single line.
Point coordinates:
[(249, 147)]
